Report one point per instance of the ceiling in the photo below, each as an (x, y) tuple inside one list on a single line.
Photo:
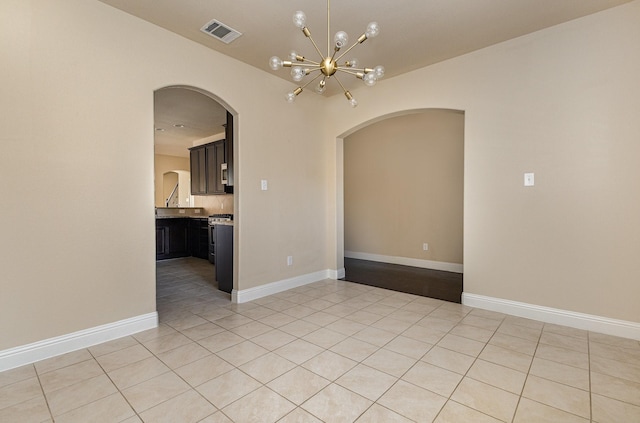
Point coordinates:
[(182, 116), (414, 33)]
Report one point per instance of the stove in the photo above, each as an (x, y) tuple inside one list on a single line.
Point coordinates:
[(214, 221), (220, 218)]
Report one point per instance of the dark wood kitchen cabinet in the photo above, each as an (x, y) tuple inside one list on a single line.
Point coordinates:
[(199, 238), (228, 153), (172, 238), (224, 257), (215, 159), (206, 168), (206, 164), (198, 160)]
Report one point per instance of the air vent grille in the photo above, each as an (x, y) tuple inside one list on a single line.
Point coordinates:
[(220, 31)]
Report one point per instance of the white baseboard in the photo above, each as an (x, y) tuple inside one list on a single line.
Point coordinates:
[(337, 274), (26, 354), (405, 261), (251, 294), (622, 328)]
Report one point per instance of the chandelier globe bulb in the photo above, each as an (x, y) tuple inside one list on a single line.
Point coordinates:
[(378, 71), (290, 97), (341, 39), (275, 63), (370, 79), (297, 73), (299, 19), (373, 29)]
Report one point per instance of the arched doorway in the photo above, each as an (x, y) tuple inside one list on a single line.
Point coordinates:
[(402, 181), (185, 119)]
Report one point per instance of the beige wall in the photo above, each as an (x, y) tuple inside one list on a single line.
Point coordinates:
[(77, 127), (403, 186), (163, 164), (562, 103)]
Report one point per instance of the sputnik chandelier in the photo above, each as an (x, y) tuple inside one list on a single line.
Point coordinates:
[(328, 66)]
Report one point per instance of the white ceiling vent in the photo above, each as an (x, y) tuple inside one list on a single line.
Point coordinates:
[(222, 32)]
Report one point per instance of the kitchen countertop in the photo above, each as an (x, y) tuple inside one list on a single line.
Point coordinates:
[(179, 216), (225, 223)]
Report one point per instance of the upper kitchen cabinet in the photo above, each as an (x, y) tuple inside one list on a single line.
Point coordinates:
[(212, 165), (214, 153), (229, 151), (198, 171)]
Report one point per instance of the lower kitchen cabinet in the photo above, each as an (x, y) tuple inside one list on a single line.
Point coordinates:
[(199, 237), (182, 237), (172, 238)]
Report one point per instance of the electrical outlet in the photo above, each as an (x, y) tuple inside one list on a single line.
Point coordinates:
[(529, 180), (425, 246), (289, 260), (263, 185)]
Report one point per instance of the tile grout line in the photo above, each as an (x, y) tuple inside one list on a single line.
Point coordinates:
[(526, 378), (114, 384), (46, 400), (475, 359)]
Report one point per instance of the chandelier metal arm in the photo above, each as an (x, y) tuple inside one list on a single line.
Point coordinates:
[(361, 40), (308, 62), (340, 83), (303, 60), (307, 34), (362, 70), (349, 71), (312, 70), (328, 28), (298, 90), (359, 72), (316, 77)]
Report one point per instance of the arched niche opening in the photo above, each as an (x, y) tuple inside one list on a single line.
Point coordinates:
[(400, 188), (176, 189)]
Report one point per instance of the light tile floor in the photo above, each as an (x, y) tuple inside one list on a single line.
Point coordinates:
[(331, 351)]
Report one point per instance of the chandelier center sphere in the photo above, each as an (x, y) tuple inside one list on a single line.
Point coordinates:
[(328, 66)]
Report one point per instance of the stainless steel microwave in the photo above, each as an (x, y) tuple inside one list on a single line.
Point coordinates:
[(223, 173)]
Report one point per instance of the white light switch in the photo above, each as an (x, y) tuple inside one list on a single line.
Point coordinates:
[(528, 180), (263, 184)]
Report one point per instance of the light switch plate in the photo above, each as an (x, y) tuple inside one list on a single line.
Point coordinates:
[(529, 180)]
